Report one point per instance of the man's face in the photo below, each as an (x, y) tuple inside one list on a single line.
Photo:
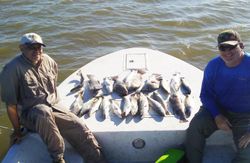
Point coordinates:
[(231, 54), (33, 52)]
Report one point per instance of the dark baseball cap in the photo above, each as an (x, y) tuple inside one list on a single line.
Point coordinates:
[(228, 37)]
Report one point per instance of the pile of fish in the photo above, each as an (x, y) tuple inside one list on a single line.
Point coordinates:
[(136, 93)]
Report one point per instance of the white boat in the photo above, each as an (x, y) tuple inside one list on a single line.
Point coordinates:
[(131, 139)]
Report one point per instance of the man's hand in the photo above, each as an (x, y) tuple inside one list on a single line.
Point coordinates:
[(222, 123), (16, 137), (244, 140)]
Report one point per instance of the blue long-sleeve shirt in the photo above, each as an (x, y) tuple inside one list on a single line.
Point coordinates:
[(225, 87)]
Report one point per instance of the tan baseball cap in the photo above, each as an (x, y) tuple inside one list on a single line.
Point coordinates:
[(31, 38)]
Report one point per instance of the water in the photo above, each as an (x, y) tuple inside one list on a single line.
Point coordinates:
[(76, 32)]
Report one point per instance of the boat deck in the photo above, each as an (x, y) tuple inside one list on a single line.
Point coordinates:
[(116, 135)]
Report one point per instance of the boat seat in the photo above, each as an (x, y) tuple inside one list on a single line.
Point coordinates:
[(219, 148)]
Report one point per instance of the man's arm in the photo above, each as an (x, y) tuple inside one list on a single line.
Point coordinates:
[(13, 116), (208, 98), (207, 94)]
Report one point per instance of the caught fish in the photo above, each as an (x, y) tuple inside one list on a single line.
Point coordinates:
[(143, 105), (178, 107), (126, 105), (120, 88), (134, 104), (108, 83), (158, 98), (87, 106), (95, 106), (133, 81), (152, 83), (165, 85), (175, 83), (130, 76), (98, 93), (94, 83), (105, 107), (156, 106), (115, 109), (80, 86), (77, 104), (188, 106), (186, 90)]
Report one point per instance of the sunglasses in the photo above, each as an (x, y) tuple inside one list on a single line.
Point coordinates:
[(227, 47), (34, 47)]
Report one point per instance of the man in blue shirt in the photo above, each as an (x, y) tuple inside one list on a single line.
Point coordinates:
[(225, 96)]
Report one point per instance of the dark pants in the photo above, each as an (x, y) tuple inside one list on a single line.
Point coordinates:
[(203, 125), (53, 125)]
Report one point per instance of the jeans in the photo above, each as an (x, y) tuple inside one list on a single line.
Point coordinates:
[(203, 125)]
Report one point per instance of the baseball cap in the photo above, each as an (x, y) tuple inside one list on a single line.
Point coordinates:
[(31, 38), (228, 37)]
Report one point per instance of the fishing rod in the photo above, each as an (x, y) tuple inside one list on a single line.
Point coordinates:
[(6, 128)]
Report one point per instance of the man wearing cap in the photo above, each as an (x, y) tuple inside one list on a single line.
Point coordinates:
[(225, 97), (28, 84)]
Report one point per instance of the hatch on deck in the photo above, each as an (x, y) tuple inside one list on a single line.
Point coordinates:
[(136, 61)]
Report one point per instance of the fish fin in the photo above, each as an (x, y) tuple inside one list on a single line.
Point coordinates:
[(187, 112), (183, 120), (114, 77)]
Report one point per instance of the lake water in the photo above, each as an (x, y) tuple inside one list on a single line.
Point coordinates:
[(77, 32)]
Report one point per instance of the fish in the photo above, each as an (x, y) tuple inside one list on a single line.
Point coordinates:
[(120, 88), (188, 106), (115, 109), (133, 81), (143, 105), (178, 107), (130, 76), (105, 107), (156, 106), (126, 106), (108, 83), (95, 106), (134, 104), (136, 83), (158, 98), (87, 106), (94, 83), (98, 93), (77, 104), (175, 83), (152, 83), (165, 85), (186, 89), (79, 86)]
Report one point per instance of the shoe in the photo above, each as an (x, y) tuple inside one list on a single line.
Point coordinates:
[(59, 161)]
